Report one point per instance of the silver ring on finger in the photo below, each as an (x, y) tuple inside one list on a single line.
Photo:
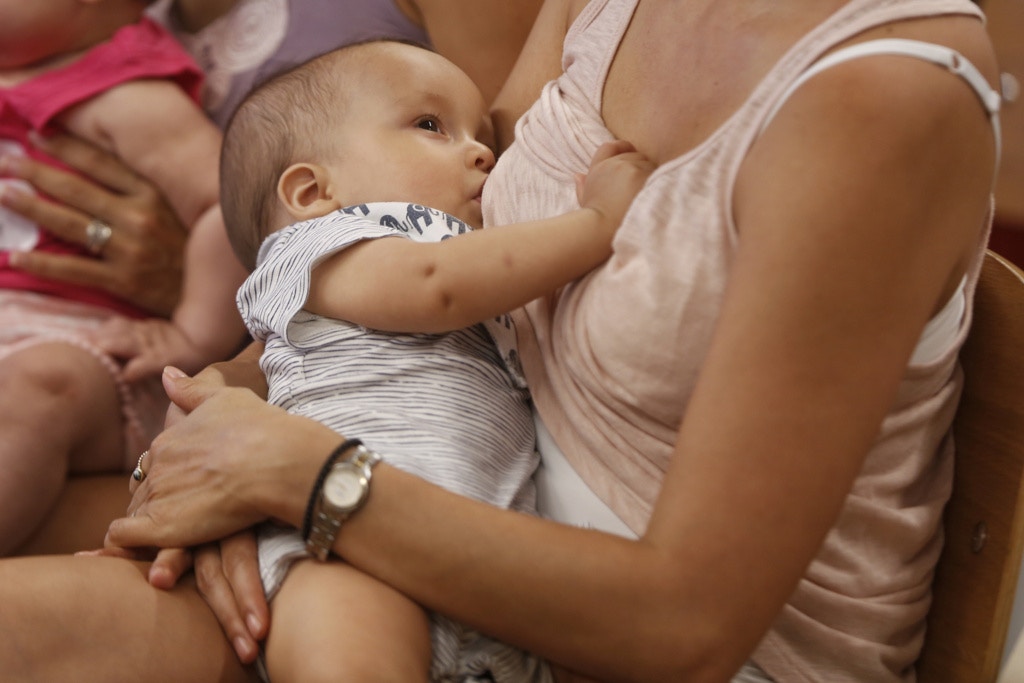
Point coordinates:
[(139, 474), (97, 234)]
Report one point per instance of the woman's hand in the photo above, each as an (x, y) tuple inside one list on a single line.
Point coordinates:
[(193, 490), (228, 577), (232, 462), (142, 260)]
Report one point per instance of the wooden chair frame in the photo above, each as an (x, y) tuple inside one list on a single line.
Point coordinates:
[(976, 577)]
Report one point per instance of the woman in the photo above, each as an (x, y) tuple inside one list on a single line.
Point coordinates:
[(238, 43), (759, 384)]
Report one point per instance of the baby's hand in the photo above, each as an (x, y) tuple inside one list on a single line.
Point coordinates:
[(148, 346), (617, 173)]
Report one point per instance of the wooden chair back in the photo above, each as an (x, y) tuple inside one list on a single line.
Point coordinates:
[(976, 577)]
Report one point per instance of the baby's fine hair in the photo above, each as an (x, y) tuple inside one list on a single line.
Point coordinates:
[(279, 122), (286, 119)]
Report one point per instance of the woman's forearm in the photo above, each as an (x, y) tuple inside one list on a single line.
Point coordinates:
[(593, 602)]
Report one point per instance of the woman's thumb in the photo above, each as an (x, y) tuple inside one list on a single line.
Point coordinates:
[(184, 391)]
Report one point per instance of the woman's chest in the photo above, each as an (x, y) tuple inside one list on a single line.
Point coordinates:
[(682, 69)]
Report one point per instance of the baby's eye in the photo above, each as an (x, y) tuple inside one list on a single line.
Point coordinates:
[(429, 123)]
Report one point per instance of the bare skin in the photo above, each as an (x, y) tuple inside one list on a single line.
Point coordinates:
[(710, 525), (79, 516), (143, 259), (82, 433), (185, 625)]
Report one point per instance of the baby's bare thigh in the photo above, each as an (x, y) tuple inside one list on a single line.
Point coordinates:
[(331, 622)]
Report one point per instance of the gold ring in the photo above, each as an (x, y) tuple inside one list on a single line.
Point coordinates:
[(97, 234), (138, 474)]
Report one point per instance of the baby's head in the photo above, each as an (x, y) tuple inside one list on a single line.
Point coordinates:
[(34, 31), (372, 122)]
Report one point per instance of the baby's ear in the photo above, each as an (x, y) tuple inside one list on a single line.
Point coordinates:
[(304, 190)]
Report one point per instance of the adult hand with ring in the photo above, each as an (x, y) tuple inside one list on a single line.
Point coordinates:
[(142, 247), (97, 234), (139, 473)]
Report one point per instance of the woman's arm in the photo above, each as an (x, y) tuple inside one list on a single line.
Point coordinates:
[(483, 38), (539, 61)]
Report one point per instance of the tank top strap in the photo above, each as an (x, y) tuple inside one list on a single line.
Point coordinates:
[(940, 55)]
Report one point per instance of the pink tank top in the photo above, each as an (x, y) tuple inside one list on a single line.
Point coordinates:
[(612, 365), (142, 50)]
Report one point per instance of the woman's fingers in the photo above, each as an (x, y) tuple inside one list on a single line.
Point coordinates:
[(91, 162), (63, 220), (140, 256), (76, 270), (169, 565), (227, 577), (241, 566), (186, 392), (136, 554)]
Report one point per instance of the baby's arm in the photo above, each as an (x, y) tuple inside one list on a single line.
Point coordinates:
[(405, 286), (162, 134)]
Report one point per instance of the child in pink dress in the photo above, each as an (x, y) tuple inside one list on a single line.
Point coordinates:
[(105, 73)]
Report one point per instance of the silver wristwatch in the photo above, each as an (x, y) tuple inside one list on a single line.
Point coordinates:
[(344, 490)]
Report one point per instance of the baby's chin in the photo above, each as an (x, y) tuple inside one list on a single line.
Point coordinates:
[(472, 217)]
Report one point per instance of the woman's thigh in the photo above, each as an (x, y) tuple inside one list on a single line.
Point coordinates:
[(80, 517), (93, 619)]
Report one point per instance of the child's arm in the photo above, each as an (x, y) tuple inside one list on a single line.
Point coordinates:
[(159, 132), (162, 134), (405, 286)]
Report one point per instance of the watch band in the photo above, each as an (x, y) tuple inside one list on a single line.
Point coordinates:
[(314, 496), (325, 518)]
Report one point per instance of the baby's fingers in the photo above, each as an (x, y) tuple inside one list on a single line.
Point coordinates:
[(143, 366), (117, 337), (611, 149)]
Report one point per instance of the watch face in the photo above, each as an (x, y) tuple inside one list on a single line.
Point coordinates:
[(344, 487)]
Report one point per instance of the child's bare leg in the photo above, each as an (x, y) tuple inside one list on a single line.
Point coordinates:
[(59, 411), (97, 620), (330, 622)]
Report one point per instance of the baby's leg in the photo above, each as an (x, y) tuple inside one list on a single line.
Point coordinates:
[(59, 412), (331, 622)]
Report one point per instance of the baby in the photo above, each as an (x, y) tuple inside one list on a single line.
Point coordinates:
[(353, 185)]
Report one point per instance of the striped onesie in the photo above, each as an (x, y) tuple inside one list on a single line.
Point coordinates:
[(440, 406)]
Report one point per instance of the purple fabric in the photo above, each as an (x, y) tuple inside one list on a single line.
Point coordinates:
[(314, 27)]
